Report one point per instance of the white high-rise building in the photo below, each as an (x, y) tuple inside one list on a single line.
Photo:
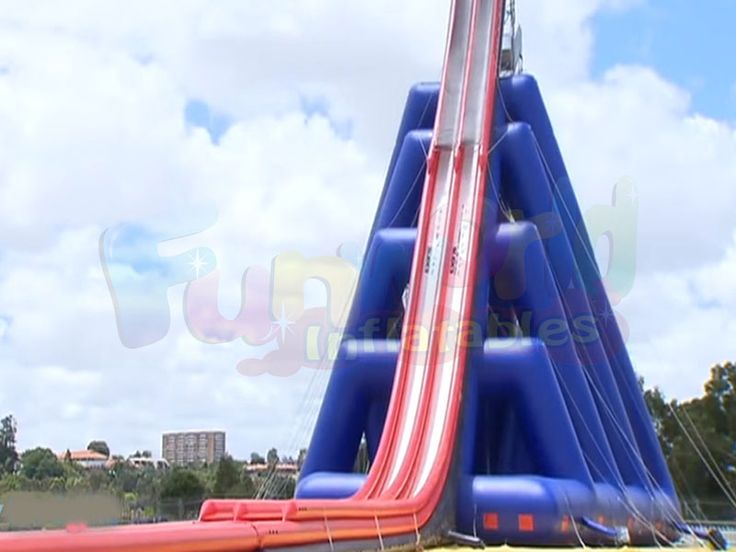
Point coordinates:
[(182, 448)]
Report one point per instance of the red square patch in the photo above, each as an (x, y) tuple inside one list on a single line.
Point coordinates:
[(526, 523), (490, 521)]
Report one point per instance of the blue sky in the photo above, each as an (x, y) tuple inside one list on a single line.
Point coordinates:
[(199, 113), (689, 43)]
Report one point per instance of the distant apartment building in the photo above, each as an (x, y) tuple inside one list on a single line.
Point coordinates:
[(181, 448)]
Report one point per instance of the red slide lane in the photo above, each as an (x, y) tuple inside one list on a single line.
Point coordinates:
[(421, 333), (463, 242), (312, 521), (444, 361), (437, 162)]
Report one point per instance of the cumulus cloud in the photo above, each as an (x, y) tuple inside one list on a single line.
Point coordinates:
[(93, 134), (634, 124), (682, 322)]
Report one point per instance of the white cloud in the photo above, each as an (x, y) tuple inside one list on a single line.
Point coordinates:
[(682, 323), (634, 124), (92, 134), (95, 138)]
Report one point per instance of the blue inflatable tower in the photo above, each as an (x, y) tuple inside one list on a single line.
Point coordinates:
[(556, 445)]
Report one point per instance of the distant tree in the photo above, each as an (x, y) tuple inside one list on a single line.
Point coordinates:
[(11, 482), (256, 458), (282, 487), (272, 457), (227, 477), (301, 457), (99, 446), (40, 463), (288, 489), (698, 438), (98, 480), (8, 452), (142, 454), (74, 474), (246, 488), (125, 476), (147, 484), (68, 456), (660, 413), (182, 483)]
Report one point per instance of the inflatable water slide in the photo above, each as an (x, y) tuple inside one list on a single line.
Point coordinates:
[(481, 361)]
